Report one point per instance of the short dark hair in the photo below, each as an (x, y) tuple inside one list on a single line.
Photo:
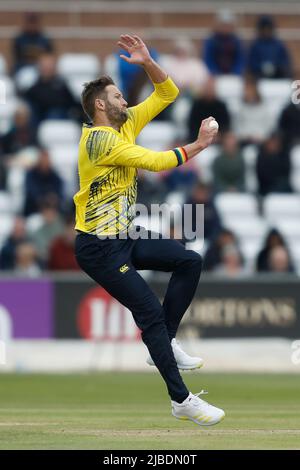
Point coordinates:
[(93, 90)]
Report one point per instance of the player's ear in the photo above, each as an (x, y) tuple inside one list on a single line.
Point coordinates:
[(100, 104)]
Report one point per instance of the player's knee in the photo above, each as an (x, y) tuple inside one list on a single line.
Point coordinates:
[(195, 260)]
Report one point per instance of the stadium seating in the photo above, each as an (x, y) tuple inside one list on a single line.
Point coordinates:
[(230, 88), (3, 66), (236, 204), (15, 186), (111, 68), (6, 225), (295, 168), (277, 94), (158, 135), (26, 78), (70, 65), (78, 69), (204, 162), (250, 153), (64, 160), (281, 207), (290, 228), (58, 132), (5, 206)]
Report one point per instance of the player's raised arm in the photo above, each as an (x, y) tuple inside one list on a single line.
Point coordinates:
[(165, 90), (140, 55)]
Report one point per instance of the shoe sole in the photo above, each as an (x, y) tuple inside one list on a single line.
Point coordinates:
[(197, 366), (186, 418)]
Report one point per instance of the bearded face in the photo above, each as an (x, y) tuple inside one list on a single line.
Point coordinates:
[(115, 106)]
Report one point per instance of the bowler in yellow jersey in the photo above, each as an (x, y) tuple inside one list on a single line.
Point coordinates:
[(108, 164)]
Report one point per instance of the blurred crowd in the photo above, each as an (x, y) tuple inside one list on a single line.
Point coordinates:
[(48, 245)]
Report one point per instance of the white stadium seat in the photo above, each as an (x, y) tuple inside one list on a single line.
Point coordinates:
[(295, 253), (34, 222), (248, 228), (295, 181), (281, 206), (78, 64), (276, 90), (58, 132), (26, 77), (179, 113), (111, 68), (290, 229), (5, 203), (158, 135), (229, 88), (6, 114), (250, 249), (3, 65), (6, 225), (295, 168), (276, 93), (15, 185), (204, 162), (64, 160), (295, 157), (236, 204), (76, 85), (250, 153), (9, 87)]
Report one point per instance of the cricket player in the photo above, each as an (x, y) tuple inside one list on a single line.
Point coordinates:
[(108, 164)]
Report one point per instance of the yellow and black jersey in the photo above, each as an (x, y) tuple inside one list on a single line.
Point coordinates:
[(108, 163)]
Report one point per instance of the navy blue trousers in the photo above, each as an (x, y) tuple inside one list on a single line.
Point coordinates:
[(102, 259)]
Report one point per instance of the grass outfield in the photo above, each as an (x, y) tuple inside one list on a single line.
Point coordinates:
[(132, 411)]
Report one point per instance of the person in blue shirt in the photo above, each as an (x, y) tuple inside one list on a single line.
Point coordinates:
[(268, 55), (223, 52), (30, 43)]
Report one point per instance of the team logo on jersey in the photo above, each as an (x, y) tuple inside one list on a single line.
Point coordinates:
[(123, 269)]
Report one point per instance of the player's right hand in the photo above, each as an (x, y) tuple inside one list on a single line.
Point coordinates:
[(206, 134)]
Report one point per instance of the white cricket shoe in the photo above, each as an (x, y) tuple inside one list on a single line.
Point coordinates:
[(184, 361), (197, 410)]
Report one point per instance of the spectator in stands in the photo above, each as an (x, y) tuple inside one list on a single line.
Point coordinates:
[(30, 43), (21, 134), (182, 178), (50, 97), (51, 227), (188, 72), (26, 260), (253, 122), (228, 167), (223, 51), (132, 77), (279, 260), (231, 262), (17, 236), (61, 254), (41, 181), (3, 174), (268, 55), (289, 124), (273, 240), (213, 255), (208, 104), (273, 167), (202, 194)]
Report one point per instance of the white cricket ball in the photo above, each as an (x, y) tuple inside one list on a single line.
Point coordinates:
[(213, 124)]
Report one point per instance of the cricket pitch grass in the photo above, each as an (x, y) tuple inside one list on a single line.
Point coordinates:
[(132, 411)]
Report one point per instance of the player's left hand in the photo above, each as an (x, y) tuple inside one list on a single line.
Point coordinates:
[(137, 49)]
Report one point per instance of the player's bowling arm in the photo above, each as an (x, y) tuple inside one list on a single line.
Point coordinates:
[(164, 94)]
